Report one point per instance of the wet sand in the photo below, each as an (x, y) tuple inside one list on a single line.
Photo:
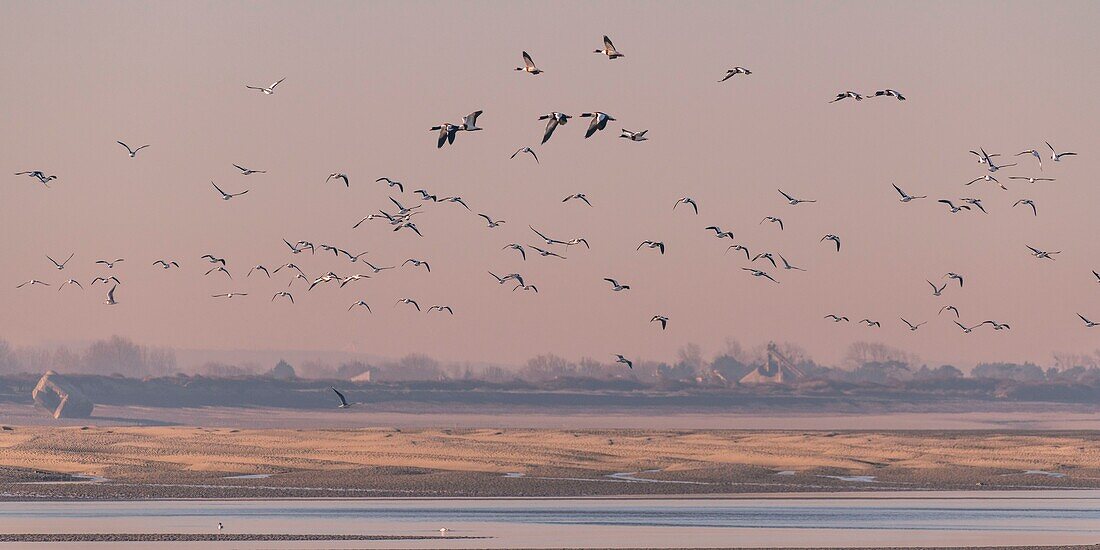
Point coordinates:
[(192, 462)]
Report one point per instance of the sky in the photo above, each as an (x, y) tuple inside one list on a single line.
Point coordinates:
[(365, 81)]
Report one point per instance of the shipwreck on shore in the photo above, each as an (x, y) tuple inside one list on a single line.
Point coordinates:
[(60, 397)]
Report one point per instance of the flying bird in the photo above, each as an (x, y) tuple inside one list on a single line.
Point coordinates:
[(951, 205), (936, 291), (492, 223), (1027, 202), (761, 273), (418, 263), (624, 360), (1041, 253), (966, 329), (339, 176), (977, 203), (248, 171), (1033, 153), (848, 94), (221, 269), (793, 201), (409, 301), (599, 122), (469, 122), (912, 327), (730, 73), (229, 295), (836, 318), (110, 265), (545, 253), (517, 247), (447, 133), (70, 282), (529, 65), (227, 196), (1088, 323), (132, 152), (441, 309), (834, 238), (526, 288), (772, 219), (615, 286), (609, 49), (1029, 179), (343, 401), (553, 119), (890, 93), (168, 264), (739, 247), (392, 183), (111, 297), (660, 319), (106, 280), (577, 196), (956, 276), (360, 303), (871, 323), (1055, 155), (787, 265), (996, 325), (906, 197), (633, 136), (61, 265), (525, 150), (267, 90), (32, 282), (953, 309), (284, 294), (39, 175), (653, 244), (686, 200)]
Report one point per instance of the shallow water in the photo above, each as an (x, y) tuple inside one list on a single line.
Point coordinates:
[(831, 519)]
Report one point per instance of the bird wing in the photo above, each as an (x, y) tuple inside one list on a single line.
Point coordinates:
[(527, 61)]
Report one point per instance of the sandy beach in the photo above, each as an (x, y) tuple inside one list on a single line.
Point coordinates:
[(194, 462)]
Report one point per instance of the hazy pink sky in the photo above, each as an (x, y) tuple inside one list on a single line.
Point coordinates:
[(364, 81)]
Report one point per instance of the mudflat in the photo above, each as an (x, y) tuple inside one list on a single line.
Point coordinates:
[(196, 462)]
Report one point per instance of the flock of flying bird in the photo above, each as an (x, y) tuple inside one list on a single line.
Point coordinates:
[(402, 217)]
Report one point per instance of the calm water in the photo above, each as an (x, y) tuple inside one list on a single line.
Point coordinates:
[(883, 519)]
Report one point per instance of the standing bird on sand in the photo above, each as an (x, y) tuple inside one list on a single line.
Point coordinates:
[(599, 122), (132, 152), (528, 65), (553, 119), (609, 49), (343, 400), (730, 73)]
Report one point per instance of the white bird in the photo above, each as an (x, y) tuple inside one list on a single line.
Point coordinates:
[(343, 400), (360, 303), (248, 171), (936, 291), (1029, 179), (739, 247), (977, 203), (392, 183), (767, 256), (983, 157), (793, 201), (339, 176), (1088, 323), (848, 94), (912, 327), (599, 122), (469, 122), (106, 280), (32, 282), (377, 269), (529, 65), (1055, 155), (61, 265), (418, 263), (871, 323), (221, 269), (39, 175), (660, 319), (787, 265), (686, 200), (718, 232), (353, 278), (988, 177), (905, 197), (168, 264), (953, 309), (132, 152), (609, 49), (760, 273), (956, 276), (624, 360), (492, 223), (214, 260), (890, 93), (730, 73), (525, 150), (966, 329), (258, 268), (409, 301), (834, 238), (111, 297), (526, 288), (772, 219), (545, 253), (227, 196), (266, 90), (1033, 153), (441, 309), (615, 286), (518, 247), (229, 295), (634, 136), (70, 282), (951, 205), (653, 244), (284, 294), (553, 119), (1041, 253), (1027, 202), (996, 325), (836, 318), (578, 196)]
